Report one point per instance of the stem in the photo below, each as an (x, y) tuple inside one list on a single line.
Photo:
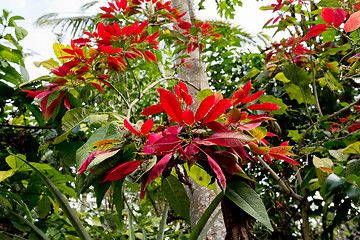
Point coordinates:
[(119, 93), (162, 226), (288, 190), (314, 87)]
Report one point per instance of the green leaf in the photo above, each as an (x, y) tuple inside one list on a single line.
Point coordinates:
[(204, 93), (71, 215), (301, 95), (109, 131), (100, 190), (248, 200), (47, 63), (6, 174), (281, 77), (294, 135), (176, 195), (20, 33), (339, 155), (251, 74), (297, 75), (118, 198), (353, 148), (74, 117), (24, 74), (333, 181), (6, 202), (200, 176), (336, 49), (13, 19), (5, 14), (43, 206), (353, 167), (353, 193)]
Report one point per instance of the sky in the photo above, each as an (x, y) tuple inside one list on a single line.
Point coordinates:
[(39, 40)]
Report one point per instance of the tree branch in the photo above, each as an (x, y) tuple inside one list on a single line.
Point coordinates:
[(288, 190), (325, 119), (27, 127)]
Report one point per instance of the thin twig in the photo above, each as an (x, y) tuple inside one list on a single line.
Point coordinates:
[(288, 190), (325, 119)]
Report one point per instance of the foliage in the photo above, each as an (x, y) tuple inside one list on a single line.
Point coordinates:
[(106, 79)]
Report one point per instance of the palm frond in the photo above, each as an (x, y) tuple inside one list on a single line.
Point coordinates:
[(74, 24)]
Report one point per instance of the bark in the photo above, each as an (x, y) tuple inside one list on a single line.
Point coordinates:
[(200, 197), (238, 223)]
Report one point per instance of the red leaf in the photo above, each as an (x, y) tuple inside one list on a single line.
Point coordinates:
[(164, 144), (171, 105), (328, 15), (217, 110), (141, 27), (149, 56), (99, 87), (353, 23), (253, 97), (128, 125), (183, 87), (121, 171), (339, 17), (263, 106), (86, 163), (204, 107), (184, 25), (188, 99), (188, 116), (155, 172), (178, 92), (152, 110), (314, 31), (217, 126), (147, 126), (228, 139), (219, 173), (66, 102), (247, 88), (285, 158)]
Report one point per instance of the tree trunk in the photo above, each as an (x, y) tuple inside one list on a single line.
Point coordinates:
[(200, 197), (238, 223)]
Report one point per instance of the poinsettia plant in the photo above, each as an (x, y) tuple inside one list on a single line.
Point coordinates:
[(220, 141)]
